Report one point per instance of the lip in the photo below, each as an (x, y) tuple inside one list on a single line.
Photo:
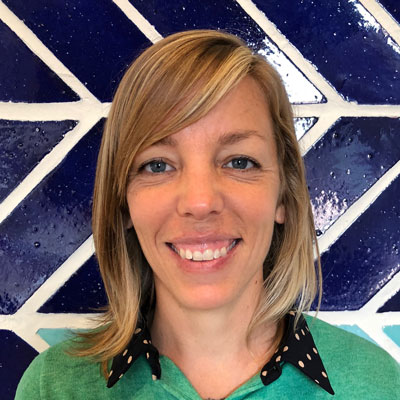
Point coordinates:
[(202, 266)]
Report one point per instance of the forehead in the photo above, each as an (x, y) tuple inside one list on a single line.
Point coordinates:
[(241, 114)]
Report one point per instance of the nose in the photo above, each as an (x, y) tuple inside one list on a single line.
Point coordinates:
[(200, 194)]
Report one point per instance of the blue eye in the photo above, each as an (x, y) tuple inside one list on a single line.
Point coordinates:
[(156, 167), (241, 163)]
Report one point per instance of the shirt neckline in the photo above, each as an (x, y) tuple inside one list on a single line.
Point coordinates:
[(297, 348)]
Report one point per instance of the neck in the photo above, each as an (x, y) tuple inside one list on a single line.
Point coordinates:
[(205, 344)]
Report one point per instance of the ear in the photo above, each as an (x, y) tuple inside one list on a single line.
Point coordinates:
[(280, 214)]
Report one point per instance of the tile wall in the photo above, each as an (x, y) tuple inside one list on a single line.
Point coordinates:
[(60, 63)]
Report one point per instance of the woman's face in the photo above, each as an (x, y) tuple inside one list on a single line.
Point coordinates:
[(204, 201)]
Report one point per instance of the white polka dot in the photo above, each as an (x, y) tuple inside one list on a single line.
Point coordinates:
[(154, 377), (297, 336), (147, 355), (291, 313), (315, 350), (301, 364), (302, 331), (111, 372), (137, 330), (124, 353), (324, 374), (307, 329), (264, 373), (276, 350), (317, 381), (308, 356), (278, 359), (121, 376), (285, 348), (145, 341), (129, 359)]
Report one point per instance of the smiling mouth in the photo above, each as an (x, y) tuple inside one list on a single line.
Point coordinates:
[(206, 255)]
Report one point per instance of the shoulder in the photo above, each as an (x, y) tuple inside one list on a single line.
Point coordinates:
[(56, 372), (355, 366)]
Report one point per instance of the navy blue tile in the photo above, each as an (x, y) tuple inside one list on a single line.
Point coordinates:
[(393, 7), (348, 159), (49, 224), (344, 42), (303, 125), (24, 77), (24, 143), (229, 16), (393, 304), (82, 293), (93, 38), (365, 257), (15, 356)]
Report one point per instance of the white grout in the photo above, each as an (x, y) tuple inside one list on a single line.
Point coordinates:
[(340, 226), (46, 165), (382, 296), (59, 277), (290, 50), (76, 111), (134, 15), (383, 17)]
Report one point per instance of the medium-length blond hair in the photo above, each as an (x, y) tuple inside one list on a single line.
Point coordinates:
[(172, 84)]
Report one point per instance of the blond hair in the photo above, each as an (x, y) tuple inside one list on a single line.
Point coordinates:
[(172, 84)]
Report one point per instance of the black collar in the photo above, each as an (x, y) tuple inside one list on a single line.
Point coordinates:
[(297, 348)]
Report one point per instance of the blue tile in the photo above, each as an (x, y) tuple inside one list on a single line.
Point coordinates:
[(393, 304), (393, 331), (350, 157), (365, 257), (303, 125), (229, 16), (24, 143), (345, 43), (82, 293), (393, 7), (49, 225), (24, 77), (15, 356), (54, 336), (357, 331), (93, 38)]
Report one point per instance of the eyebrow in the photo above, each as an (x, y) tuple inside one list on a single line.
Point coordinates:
[(226, 139)]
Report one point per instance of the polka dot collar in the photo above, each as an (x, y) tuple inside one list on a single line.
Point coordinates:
[(297, 348)]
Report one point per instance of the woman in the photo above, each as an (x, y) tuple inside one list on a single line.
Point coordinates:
[(204, 237)]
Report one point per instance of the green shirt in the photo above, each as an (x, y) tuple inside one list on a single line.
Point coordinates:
[(357, 369)]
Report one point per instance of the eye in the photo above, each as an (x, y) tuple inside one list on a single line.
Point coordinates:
[(156, 167), (241, 163)]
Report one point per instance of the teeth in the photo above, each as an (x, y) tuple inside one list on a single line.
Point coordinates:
[(188, 254), (207, 255)]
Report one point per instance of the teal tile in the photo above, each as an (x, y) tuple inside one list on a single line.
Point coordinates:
[(393, 331), (54, 336), (357, 331)]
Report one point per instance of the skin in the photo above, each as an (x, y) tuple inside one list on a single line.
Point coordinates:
[(215, 181)]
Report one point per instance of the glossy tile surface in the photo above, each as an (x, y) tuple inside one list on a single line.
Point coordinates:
[(365, 257), (15, 356), (345, 43), (82, 293), (24, 77), (93, 38), (229, 16), (49, 225), (27, 142), (393, 304), (347, 161)]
